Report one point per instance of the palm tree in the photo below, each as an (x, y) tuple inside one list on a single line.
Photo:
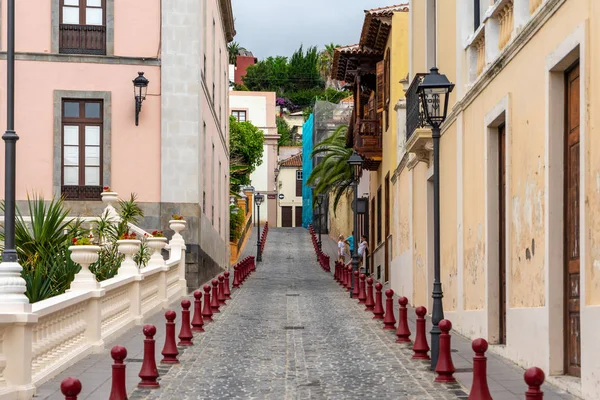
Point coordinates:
[(325, 63), (333, 174), (234, 49)]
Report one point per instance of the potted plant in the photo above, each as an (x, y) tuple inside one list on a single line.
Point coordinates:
[(109, 197), (128, 245), (156, 243), (84, 253), (177, 224)]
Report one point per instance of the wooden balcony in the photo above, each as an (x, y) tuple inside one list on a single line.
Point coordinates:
[(82, 39), (368, 142)]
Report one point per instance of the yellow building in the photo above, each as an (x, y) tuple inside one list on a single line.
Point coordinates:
[(289, 191), (375, 67), (520, 179)]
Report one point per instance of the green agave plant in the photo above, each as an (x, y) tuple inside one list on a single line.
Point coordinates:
[(42, 246)]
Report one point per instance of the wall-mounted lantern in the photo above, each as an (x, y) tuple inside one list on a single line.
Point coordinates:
[(140, 85)]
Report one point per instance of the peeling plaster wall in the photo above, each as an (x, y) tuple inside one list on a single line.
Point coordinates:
[(448, 218), (473, 210), (401, 201), (420, 286)]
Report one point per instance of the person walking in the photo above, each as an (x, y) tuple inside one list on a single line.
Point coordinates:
[(350, 241), (363, 248), (341, 249)]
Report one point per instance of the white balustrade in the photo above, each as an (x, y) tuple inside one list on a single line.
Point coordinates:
[(65, 328)]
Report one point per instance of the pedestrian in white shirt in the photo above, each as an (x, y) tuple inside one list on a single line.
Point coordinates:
[(341, 248)]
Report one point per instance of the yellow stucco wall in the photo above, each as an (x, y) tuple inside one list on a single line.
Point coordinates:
[(526, 149), (401, 214), (448, 218), (592, 189), (418, 36), (421, 289), (398, 45), (341, 221)]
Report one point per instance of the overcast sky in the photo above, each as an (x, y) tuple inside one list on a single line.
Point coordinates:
[(278, 27)]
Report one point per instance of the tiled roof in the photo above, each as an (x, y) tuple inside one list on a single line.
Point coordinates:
[(293, 161), (387, 11)]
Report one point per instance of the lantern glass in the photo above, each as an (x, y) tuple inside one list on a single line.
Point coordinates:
[(258, 199), (434, 93)]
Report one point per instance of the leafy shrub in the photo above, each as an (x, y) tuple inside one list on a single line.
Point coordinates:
[(236, 224)]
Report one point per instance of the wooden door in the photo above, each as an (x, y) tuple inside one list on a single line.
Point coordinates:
[(286, 216), (571, 218), (502, 232), (387, 223), (298, 211)]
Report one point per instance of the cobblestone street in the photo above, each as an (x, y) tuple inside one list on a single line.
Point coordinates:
[(290, 332)]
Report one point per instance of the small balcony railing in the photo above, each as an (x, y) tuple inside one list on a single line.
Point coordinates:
[(82, 39), (415, 117), (367, 137), (81, 192)]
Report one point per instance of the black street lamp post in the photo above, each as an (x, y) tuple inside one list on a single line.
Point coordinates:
[(356, 162), (10, 138), (258, 199), (434, 92), (12, 285)]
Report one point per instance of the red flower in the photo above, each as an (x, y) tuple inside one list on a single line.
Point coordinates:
[(74, 240)]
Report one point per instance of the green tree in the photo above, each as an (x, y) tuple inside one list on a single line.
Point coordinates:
[(332, 175), (285, 132), (245, 150)]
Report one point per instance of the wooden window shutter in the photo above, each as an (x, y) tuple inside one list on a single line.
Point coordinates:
[(380, 86), (387, 78)]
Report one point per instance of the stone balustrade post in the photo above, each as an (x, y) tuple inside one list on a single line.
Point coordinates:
[(93, 321), (17, 340)]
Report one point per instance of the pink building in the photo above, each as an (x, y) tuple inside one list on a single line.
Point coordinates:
[(75, 111)]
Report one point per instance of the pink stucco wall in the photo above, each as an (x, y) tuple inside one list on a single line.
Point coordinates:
[(135, 149), (136, 27)]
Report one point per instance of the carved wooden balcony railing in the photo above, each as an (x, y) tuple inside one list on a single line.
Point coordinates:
[(367, 138), (415, 117), (82, 39)]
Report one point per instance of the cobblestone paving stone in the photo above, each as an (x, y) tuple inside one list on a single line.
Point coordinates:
[(291, 332)]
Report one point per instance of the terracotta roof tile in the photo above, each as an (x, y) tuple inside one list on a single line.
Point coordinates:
[(293, 161), (388, 10)]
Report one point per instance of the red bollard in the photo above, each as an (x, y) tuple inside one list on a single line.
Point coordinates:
[(118, 391), (355, 289), (362, 294), (214, 299), (389, 322), (479, 388), (370, 302), (197, 322), (221, 293), (348, 278), (420, 347), (236, 274), (206, 311), (70, 388), (378, 310), (149, 372), (403, 331), (170, 351), (534, 377), (445, 367), (185, 333), (227, 291), (344, 272)]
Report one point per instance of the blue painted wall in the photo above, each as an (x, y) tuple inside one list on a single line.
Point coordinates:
[(307, 167)]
